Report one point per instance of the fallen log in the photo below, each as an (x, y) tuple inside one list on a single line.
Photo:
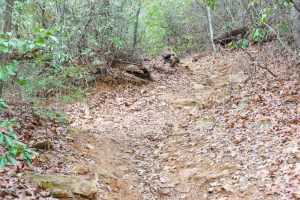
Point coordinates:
[(122, 72), (142, 73), (129, 63), (232, 35)]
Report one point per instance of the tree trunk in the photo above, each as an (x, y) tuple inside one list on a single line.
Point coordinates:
[(83, 39), (211, 31), (60, 23), (136, 25), (6, 28), (60, 13), (43, 18), (295, 17)]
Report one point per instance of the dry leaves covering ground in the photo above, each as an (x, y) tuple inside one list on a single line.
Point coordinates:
[(218, 128)]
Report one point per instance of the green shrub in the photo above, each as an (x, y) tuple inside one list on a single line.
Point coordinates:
[(11, 147)]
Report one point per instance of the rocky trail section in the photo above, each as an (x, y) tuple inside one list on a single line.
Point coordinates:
[(216, 129)]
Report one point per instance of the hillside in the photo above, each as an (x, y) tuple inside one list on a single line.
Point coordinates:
[(214, 129)]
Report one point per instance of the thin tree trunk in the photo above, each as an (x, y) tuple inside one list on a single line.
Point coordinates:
[(83, 40), (227, 7), (60, 13), (43, 15), (6, 28), (136, 25), (60, 22), (211, 31), (295, 17)]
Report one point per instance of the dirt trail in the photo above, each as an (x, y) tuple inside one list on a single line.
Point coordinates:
[(163, 140)]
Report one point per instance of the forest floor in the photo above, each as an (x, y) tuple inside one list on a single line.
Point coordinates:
[(214, 129)]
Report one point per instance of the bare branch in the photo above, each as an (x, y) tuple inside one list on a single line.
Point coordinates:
[(259, 65)]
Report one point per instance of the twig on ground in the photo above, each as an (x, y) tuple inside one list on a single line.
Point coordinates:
[(259, 65), (282, 43)]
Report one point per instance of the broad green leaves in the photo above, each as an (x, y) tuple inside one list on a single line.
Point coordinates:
[(264, 18), (9, 70), (4, 44), (258, 34), (1, 138), (8, 140), (10, 146), (11, 159), (3, 105), (3, 75), (27, 158), (2, 162), (3, 49), (40, 42), (13, 148), (12, 68), (241, 44)]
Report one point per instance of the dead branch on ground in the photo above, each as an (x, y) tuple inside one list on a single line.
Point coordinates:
[(259, 65)]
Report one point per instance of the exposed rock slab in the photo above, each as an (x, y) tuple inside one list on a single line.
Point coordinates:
[(63, 186)]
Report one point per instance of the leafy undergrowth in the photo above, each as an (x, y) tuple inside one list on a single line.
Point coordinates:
[(218, 128)]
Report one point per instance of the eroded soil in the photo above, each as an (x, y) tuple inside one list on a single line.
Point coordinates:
[(210, 131)]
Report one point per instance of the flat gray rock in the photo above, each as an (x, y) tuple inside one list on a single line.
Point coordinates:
[(63, 186)]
